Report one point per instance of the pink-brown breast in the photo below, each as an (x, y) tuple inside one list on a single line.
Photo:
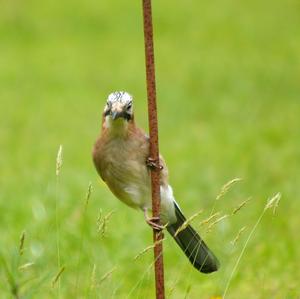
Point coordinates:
[(121, 162)]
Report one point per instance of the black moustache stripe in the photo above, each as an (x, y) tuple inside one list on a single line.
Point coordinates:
[(127, 116)]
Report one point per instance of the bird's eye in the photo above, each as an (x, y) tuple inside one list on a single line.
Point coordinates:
[(129, 106)]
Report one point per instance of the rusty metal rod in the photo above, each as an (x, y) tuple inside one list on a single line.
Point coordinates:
[(154, 149)]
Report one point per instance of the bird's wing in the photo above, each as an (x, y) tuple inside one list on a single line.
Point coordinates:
[(164, 171)]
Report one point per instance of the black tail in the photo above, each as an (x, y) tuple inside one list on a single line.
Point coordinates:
[(193, 246)]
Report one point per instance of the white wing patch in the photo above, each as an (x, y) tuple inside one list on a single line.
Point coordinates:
[(167, 205)]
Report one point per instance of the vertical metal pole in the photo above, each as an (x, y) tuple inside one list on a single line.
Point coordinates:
[(154, 150)]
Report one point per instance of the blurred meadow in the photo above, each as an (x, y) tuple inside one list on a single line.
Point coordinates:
[(229, 107)]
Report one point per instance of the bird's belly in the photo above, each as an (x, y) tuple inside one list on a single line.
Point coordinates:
[(130, 182), (123, 168), (134, 189)]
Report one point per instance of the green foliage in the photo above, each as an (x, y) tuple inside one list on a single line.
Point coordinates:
[(228, 93)]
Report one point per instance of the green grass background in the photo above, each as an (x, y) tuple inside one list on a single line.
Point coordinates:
[(228, 98)]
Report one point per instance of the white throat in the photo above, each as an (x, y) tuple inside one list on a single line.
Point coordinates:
[(117, 126)]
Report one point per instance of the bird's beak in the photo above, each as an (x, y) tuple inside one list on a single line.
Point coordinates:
[(116, 111), (116, 114)]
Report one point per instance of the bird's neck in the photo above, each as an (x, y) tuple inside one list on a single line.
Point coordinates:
[(118, 127)]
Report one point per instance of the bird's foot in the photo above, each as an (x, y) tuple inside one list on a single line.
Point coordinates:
[(153, 164), (154, 222)]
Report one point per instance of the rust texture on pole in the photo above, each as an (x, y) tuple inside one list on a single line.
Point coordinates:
[(154, 149)]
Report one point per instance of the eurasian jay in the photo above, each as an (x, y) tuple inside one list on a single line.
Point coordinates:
[(120, 156)]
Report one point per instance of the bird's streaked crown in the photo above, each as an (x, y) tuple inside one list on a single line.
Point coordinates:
[(119, 105), (122, 97)]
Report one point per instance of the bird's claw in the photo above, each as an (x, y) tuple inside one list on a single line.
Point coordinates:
[(153, 164), (154, 222)]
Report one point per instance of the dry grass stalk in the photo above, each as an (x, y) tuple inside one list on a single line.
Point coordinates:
[(187, 222), (227, 186), (22, 242), (59, 160), (233, 242), (88, 194), (209, 219), (25, 266), (217, 221), (57, 276), (93, 278), (11, 279), (188, 290), (83, 218), (273, 202), (148, 248), (102, 222), (172, 288), (106, 275), (240, 206)]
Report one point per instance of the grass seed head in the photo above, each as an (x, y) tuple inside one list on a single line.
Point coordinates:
[(240, 206), (227, 186), (148, 248), (93, 278), (209, 219), (59, 160), (57, 276), (107, 275), (234, 241), (187, 222), (273, 202), (102, 223), (88, 194), (25, 266), (216, 221), (22, 242)]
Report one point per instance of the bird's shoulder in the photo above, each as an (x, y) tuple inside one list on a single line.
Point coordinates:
[(138, 139), (140, 134), (98, 151)]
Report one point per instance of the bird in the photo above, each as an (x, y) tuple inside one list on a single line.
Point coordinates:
[(121, 158)]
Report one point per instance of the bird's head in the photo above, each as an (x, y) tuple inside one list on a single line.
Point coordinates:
[(119, 107)]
